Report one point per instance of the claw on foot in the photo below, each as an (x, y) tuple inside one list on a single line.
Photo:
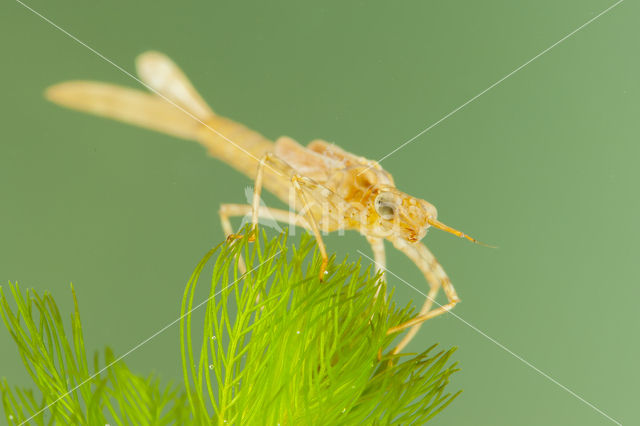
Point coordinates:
[(232, 237), (323, 269), (251, 239)]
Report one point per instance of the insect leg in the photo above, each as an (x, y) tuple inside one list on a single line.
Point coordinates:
[(234, 210), (257, 190), (278, 166), (298, 182), (436, 277), (377, 247), (226, 211)]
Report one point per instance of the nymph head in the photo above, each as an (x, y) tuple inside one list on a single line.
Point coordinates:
[(394, 214)]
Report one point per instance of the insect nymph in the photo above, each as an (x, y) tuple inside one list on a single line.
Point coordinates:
[(327, 188)]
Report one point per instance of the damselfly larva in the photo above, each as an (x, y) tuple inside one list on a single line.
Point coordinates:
[(327, 188)]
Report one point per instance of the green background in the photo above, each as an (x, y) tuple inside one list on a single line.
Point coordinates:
[(544, 166)]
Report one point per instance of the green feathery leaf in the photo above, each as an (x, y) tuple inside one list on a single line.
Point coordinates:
[(282, 347), (278, 346)]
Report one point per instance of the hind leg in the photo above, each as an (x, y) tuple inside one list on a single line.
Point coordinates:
[(228, 211), (437, 278)]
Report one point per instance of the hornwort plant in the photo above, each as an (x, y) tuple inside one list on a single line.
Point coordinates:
[(276, 346)]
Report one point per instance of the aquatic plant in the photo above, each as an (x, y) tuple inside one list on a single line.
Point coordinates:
[(276, 346)]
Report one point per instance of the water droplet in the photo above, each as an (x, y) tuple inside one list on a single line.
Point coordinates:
[(210, 366), (10, 416), (213, 337), (298, 332)]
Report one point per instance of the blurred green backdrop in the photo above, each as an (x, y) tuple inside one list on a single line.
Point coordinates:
[(544, 166)]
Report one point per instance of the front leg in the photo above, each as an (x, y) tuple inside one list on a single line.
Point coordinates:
[(436, 277)]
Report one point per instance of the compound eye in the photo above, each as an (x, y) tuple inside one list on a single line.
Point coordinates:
[(385, 206)]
